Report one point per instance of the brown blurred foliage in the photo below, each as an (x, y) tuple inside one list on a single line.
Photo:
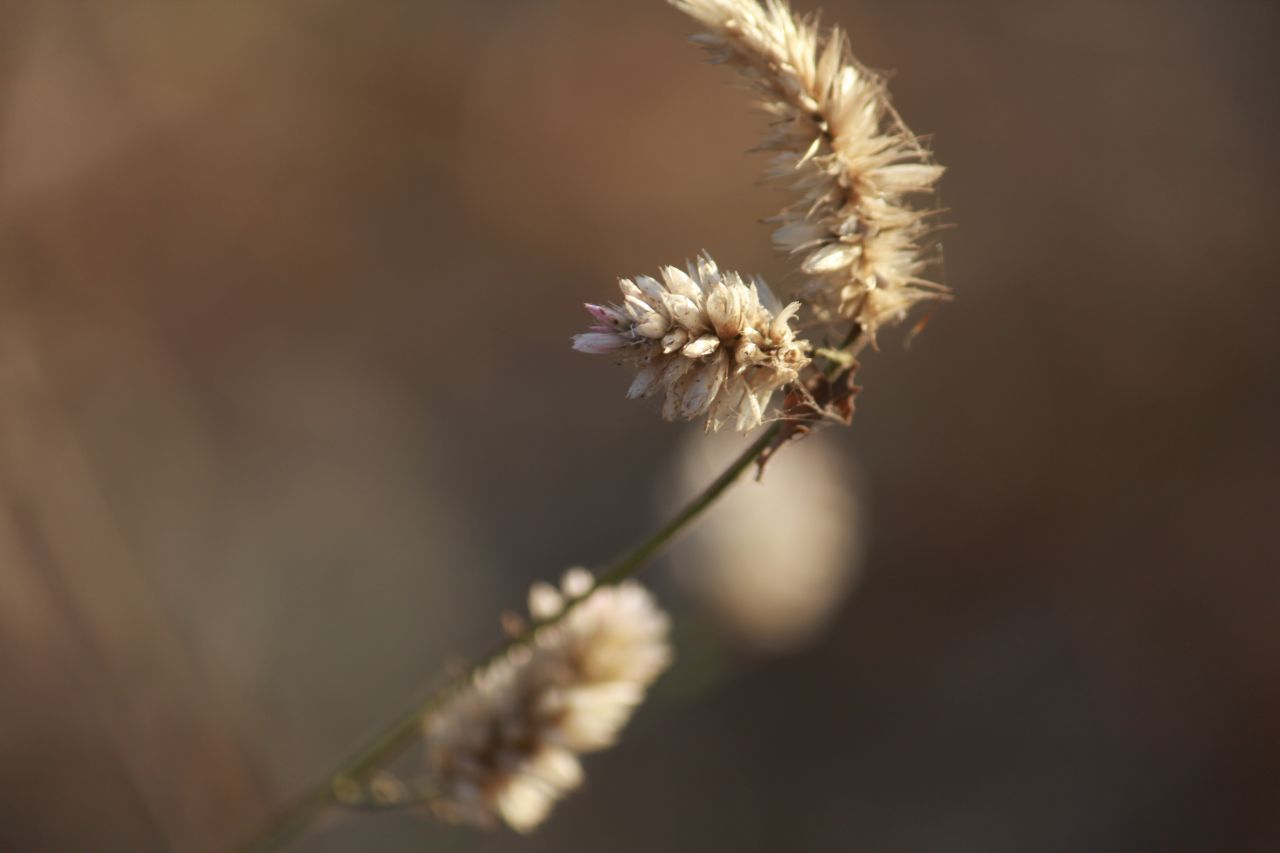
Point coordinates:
[(288, 416)]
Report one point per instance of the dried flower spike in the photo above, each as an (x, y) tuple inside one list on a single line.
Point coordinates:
[(717, 346), (506, 747), (844, 149)]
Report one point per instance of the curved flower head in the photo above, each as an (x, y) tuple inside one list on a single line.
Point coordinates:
[(714, 345), (853, 163)]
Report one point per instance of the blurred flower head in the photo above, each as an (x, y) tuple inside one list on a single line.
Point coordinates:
[(772, 561), (506, 747)]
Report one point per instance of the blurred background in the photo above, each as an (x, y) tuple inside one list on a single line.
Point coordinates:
[(288, 417)]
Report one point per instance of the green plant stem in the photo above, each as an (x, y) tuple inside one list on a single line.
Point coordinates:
[(294, 818)]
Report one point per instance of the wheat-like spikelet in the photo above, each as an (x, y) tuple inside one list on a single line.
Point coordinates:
[(844, 149), (506, 747), (717, 346)]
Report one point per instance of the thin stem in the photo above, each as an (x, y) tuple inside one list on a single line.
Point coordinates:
[(629, 563), (297, 816)]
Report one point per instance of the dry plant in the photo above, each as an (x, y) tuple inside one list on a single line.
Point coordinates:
[(502, 738)]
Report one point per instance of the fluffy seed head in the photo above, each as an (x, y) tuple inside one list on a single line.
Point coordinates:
[(506, 746), (716, 346)]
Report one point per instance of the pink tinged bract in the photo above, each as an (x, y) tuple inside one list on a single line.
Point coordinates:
[(598, 342)]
